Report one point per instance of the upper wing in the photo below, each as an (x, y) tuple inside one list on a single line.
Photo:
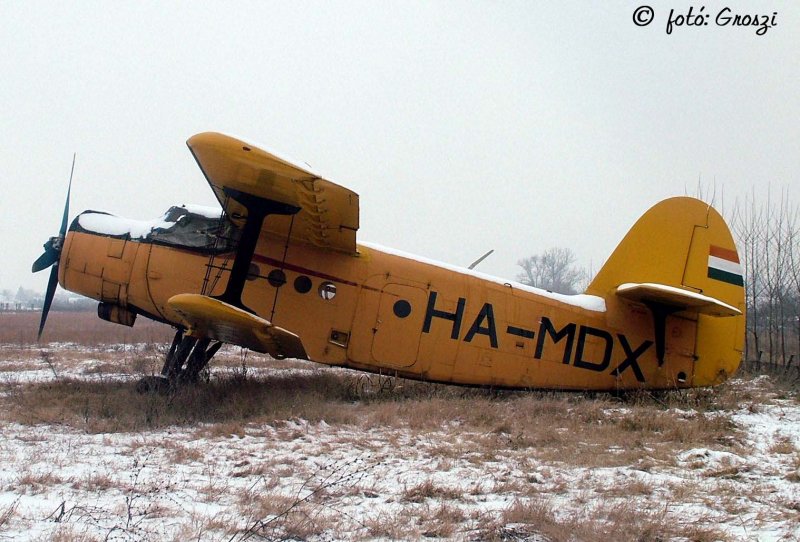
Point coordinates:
[(328, 215)]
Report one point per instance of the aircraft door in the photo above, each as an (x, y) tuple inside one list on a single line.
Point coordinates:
[(398, 326)]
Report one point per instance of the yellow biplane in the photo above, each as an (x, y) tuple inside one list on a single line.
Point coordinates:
[(279, 271)]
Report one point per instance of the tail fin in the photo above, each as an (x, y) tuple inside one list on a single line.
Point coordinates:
[(680, 257)]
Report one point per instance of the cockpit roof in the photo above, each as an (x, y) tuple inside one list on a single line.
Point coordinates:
[(186, 226)]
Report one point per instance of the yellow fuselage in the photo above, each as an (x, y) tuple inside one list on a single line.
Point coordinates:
[(386, 312)]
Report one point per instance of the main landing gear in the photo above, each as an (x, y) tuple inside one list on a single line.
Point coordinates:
[(186, 358)]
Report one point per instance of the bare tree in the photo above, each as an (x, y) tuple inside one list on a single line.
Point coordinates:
[(748, 222), (767, 233), (794, 279), (554, 270)]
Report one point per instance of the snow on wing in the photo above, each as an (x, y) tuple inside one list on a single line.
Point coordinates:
[(328, 216)]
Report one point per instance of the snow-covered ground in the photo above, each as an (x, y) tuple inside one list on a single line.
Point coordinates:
[(295, 479)]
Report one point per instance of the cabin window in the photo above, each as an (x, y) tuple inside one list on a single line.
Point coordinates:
[(302, 284), (194, 228), (327, 290), (195, 231), (277, 278)]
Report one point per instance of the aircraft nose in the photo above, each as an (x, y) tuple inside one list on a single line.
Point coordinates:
[(97, 266)]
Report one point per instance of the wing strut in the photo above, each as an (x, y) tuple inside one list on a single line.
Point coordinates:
[(257, 211)]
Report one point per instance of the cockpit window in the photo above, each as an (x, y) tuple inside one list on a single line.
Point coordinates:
[(198, 228), (195, 230)]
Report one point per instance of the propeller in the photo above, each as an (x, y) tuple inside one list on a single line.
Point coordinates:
[(50, 257)]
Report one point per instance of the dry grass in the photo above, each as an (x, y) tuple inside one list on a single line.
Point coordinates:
[(520, 442), (95, 482), (441, 521), (430, 490), (630, 488), (106, 406), (309, 511), (79, 327), (68, 533), (36, 482), (613, 521), (394, 526), (7, 513), (794, 472), (257, 504), (472, 423), (783, 445)]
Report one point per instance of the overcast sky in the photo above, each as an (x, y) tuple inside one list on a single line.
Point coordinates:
[(464, 126)]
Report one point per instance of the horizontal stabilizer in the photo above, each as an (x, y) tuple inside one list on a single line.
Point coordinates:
[(207, 317), (676, 297)]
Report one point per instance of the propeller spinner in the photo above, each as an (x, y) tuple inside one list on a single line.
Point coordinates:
[(51, 255)]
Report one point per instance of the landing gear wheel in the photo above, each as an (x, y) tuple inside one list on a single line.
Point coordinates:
[(186, 359), (198, 361), (174, 362)]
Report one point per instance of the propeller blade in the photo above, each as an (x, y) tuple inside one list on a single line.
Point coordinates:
[(63, 230), (48, 299), (52, 253), (48, 258)]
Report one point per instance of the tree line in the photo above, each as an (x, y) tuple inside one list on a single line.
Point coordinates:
[(768, 235), (25, 299)]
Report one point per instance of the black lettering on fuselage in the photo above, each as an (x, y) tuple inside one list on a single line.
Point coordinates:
[(485, 324), (568, 332), (591, 365), (454, 317), (487, 313), (631, 357)]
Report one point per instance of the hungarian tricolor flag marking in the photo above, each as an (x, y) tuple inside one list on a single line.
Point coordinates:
[(723, 264)]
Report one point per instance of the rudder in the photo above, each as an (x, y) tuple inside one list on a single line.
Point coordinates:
[(680, 257)]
